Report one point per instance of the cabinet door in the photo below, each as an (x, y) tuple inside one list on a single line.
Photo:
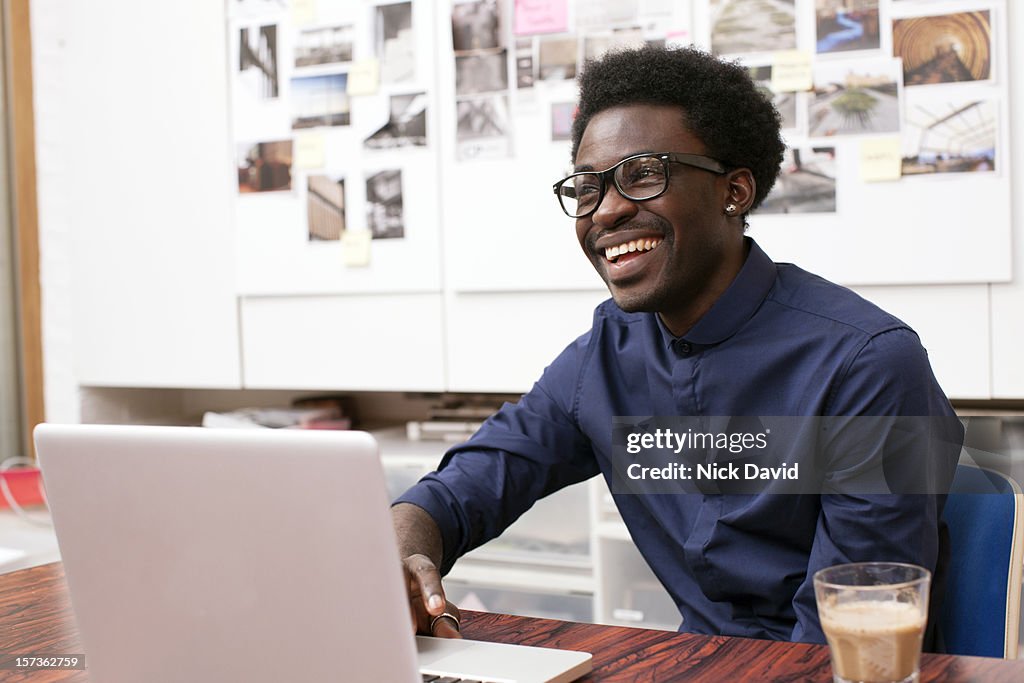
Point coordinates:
[(358, 342), (148, 190)]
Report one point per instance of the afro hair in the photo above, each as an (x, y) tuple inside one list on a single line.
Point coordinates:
[(719, 103)]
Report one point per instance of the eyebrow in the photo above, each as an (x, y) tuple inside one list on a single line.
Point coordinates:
[(582, 168)]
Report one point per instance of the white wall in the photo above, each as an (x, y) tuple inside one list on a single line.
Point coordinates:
[(973, 332)]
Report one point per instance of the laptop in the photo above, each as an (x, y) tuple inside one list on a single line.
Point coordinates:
[(198, 554)]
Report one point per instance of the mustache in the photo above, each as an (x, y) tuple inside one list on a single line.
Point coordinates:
[(652, 224)]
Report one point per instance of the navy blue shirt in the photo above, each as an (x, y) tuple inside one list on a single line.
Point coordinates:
[(780, 341)]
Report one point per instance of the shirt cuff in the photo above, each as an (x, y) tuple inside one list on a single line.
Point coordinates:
[(436, 500)]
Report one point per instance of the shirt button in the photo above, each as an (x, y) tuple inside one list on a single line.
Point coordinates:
[(684, 347)]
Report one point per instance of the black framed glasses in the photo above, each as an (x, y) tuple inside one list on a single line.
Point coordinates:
[(639, 177)]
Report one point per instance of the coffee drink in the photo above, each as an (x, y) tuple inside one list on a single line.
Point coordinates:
[(872, 640)]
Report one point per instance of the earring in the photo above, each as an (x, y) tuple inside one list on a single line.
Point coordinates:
[(730, 209)]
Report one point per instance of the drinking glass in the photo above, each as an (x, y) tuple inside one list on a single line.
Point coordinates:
[(873, 615)]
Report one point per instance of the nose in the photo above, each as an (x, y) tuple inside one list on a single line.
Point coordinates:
[(614, 209)]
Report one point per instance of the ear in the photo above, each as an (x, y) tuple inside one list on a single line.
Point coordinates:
[(740, 189)]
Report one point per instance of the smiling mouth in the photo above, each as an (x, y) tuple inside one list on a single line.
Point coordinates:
[(612, 254)]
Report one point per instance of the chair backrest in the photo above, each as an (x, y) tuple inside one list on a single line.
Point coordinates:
[(980, 612)]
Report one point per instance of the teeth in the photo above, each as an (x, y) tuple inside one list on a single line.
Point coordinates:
[(635, 245)]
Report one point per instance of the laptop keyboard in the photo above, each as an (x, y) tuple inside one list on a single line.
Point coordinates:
[(430, 678)]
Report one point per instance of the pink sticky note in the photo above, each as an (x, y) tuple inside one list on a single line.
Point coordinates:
[(541, 16)]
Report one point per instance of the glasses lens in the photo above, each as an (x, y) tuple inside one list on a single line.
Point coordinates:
[(579, 193), (642, 178)]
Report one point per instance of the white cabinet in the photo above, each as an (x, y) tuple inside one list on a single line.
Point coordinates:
[(144, 186), (343, 342)]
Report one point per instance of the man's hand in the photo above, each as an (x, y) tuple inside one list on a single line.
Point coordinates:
[(419, 546), (432, 614)]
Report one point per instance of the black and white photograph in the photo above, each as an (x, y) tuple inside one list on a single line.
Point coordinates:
[(395, 42), (324, 45), (855, 98), (482, 128), (806, 182), (744, 26), (525, 72), (257, 61), (476, 25), (320, 101), (406, 126), (558, 58), (844, 25), (325, 207), (949, 135), (265, 167), (785, 102), (596, 44), (948, 48), (384, 214), (481, 72), (562, 115)]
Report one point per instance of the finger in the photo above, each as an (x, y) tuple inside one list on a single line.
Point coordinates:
[(426, 581), (445, 628)]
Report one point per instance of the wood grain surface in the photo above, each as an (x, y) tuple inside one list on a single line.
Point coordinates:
[(36, 618)]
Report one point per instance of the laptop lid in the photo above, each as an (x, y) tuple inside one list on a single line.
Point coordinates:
[(198, 554), (228, 555)]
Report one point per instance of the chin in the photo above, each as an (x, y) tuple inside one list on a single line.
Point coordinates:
[(635, 303)]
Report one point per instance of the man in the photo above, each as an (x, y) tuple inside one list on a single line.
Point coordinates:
[(672, 150)]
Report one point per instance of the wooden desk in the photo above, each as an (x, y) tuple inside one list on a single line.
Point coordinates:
[(35, 617)]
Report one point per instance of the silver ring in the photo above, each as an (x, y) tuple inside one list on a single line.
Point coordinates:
[(433, 622)]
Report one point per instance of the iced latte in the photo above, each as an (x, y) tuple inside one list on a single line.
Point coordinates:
[(873, 615)]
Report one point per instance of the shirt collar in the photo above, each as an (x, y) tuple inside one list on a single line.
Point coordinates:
[(736, 305)]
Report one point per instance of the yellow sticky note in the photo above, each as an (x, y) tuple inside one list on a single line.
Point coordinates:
[(880, 159), (791, 71), (303, 11), (309, 151), (355, 248), (363, 77)]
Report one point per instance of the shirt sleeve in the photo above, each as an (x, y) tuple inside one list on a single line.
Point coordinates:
[(524, 452), (890, 376)]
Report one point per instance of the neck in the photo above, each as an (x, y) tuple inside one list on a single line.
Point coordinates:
[(695, 305)]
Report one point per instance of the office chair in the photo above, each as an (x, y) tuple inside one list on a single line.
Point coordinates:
[(980, 614)]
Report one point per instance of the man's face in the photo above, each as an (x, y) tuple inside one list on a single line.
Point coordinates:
[(686, 248)]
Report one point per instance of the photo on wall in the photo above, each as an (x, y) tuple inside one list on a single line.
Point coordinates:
[(257, 61), (476, 25), (806, 182), (557, 57), (785, 102), (562, 115), (384, 214), (265, 166), (745, 26), (482, 127), (597, 44), (395, 43), (949, 135), (947, 48), (481, 72), (406, 126), (324, 45), (525, 72), (325, 207), (320, 101), (844, 25), (855, 98)]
